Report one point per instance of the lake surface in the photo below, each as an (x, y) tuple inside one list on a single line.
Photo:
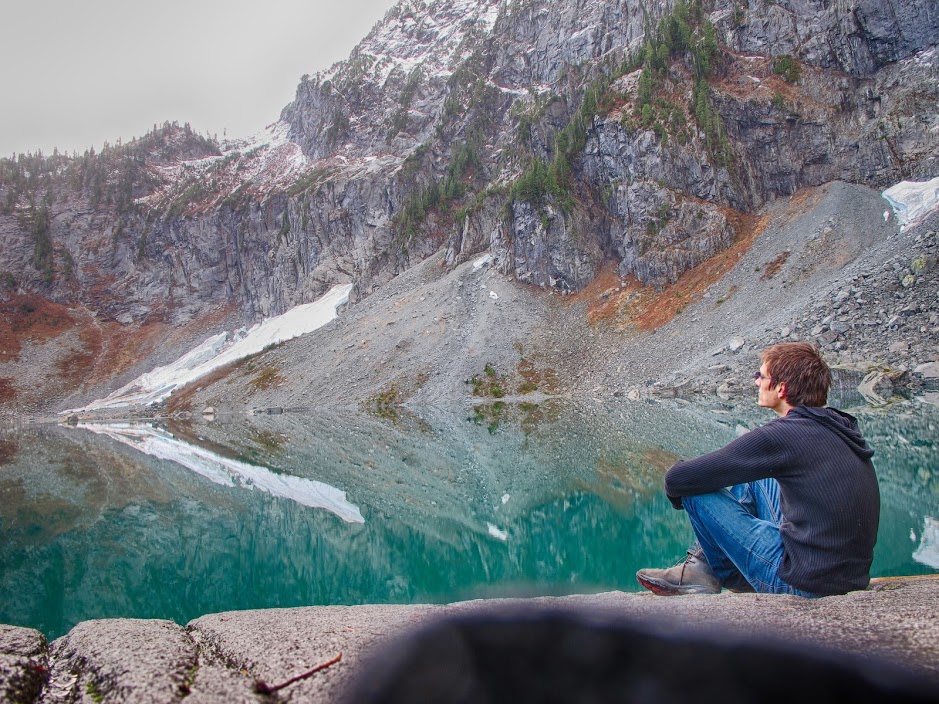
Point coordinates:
[(177, 520)]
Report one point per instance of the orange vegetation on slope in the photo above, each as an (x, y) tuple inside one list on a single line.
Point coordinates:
[(623, 478), (737, 79), (95, 352), (78, 364), (9, 448), (110, 349), (7, 391), (181, 399), (30, 318), (631, 305)]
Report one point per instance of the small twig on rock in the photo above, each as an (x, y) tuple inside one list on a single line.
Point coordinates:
[(262, 687)]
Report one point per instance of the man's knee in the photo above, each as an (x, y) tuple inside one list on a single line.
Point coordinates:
[(716, 498)]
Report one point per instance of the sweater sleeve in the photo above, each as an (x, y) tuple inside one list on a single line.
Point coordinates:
[(756, 455)]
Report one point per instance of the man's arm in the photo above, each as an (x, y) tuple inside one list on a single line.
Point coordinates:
[(756, 455)]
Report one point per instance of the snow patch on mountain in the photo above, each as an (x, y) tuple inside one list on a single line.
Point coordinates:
[(263, 163), (222, 349), (913, 200), (418, 34)]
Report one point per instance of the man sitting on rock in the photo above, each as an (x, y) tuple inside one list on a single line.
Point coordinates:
[(791, 507)]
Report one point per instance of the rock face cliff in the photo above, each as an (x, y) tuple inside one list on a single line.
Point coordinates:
[(559, 136)]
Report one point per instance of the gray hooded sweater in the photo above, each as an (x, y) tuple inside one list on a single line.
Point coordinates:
[(829, 497)]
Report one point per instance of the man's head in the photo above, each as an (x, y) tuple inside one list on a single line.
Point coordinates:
[(792, 374)]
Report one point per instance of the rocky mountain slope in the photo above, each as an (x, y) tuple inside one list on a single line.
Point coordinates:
[(821, 266), (577, 142)]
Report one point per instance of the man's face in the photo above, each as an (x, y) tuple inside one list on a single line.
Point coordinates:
[(768, 396)]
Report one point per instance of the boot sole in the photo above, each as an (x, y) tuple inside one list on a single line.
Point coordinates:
[(667, 589)]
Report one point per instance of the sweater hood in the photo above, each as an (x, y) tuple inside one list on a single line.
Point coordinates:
[(842, 424)]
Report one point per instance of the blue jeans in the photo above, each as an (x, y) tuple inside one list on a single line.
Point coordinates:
[(738, 530)]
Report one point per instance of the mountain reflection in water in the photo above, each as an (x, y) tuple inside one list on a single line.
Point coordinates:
[(159, 443), (157, 521)]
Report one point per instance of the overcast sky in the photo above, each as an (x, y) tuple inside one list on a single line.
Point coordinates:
[(77, 73)]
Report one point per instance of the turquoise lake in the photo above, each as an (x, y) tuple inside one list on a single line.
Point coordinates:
[(175, 520)]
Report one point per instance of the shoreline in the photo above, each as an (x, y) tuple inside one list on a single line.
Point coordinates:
[(218, 657)]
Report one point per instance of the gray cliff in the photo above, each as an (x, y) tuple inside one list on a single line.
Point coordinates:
[(561, 137)]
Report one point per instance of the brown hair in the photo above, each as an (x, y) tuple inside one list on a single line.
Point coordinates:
[(800, 366)]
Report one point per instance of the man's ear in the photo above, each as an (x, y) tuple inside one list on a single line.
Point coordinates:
[(781, 390)]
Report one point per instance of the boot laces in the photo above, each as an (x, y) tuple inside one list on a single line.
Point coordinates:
[(689, 556)]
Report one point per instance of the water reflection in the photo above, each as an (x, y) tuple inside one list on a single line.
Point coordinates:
[(927, 552), (226, 471), (159, 521)]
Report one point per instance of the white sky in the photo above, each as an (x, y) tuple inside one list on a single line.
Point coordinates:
[(77, 73)]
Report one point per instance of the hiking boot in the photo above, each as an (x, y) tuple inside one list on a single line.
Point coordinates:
[(693, 575), (739, 586)]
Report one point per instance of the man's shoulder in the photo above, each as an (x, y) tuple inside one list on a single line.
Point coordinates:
[(783, 428), (822, 422), (812, 416)]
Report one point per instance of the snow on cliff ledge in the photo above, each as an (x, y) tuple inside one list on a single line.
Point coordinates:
[(222, 349), (913, 200)]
